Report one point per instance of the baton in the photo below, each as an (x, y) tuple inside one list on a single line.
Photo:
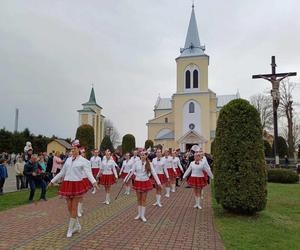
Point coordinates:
[(120, 190)]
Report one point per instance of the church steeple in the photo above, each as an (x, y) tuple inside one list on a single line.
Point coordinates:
[(192, 46), (92, 99)]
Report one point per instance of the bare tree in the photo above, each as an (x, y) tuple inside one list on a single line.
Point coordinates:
[(286, 109), (296, 131), (263, 104), (111, 130)]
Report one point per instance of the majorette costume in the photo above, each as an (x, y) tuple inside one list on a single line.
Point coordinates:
[(73, 185), (96, 164), (160, 169), (171, 171), (142, 183), (178, 166), (132, 161), (197, 178), (74, 172), (162, 173), (108, 175), (125, 169), (108, 172)]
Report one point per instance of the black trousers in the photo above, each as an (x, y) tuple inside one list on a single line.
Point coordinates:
[(33, 183), (2, 181)]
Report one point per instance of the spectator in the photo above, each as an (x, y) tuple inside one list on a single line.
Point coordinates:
[(3, 174), (19, 168), (49, 163), (34, 178), (57, 164), (286, 161)]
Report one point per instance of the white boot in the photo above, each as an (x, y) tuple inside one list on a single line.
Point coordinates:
[(79, 209), (196, 202), (107, 200), (139, 213), (94, 191), (71, 226), (167, 192), (77, 227), (128, 190), (173, 188), (158, 200), (199, 206), (156, 203), (143, 210)]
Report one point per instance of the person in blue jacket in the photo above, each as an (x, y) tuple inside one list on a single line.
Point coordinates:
[(3, 174)]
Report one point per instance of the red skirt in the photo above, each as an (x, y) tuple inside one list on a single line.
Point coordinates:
[(172, 173), (142, 186), (178, 172), (69, 189), (107, 179), (123, 175), (197, 182), (95, 171), (87, 183), (161, 177), (205, 175)]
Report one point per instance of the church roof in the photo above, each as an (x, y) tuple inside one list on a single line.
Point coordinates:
[(192, 46), (64, 143), (86, 109), (224, 99), (163, 103), (92, 100)]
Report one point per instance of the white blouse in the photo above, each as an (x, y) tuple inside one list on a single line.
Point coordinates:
[(126, 167), (197, 169), (160, 166), (75, 170), (141, 174), (108, 167), (177, 164), (95, 162)]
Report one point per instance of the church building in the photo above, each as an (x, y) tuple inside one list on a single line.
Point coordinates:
[(189, 117), (91, 114)]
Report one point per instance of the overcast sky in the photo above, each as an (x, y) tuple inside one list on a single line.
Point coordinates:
[(51, 52)]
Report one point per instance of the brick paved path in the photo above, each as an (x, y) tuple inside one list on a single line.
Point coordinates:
[(177, 225)]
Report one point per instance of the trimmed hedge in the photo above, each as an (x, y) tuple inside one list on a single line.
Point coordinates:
[(85, 134), (239, 163), (128, 143), (282, 176), (106, 144)]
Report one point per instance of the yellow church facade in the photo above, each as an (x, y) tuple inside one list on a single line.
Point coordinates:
[(189, 117), (91, 114)]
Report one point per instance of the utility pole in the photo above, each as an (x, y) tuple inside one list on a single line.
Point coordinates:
[(275, 79)]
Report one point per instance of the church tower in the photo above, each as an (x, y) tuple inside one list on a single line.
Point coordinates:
[(193, 101), (91, 114), (190, 116)]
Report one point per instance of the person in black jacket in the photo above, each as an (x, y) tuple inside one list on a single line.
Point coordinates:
[(34, 179)]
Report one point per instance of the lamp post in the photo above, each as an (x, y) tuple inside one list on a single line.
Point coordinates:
[(275, 79)]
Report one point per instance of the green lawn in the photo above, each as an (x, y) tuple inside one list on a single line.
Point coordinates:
[(277, 227), (15, 199)]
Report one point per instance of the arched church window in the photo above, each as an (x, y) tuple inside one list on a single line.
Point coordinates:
[(195, 79), (187, 79), (191, 107)]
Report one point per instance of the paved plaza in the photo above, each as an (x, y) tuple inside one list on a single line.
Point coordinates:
[(177, 225)]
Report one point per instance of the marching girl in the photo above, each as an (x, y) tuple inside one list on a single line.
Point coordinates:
[(73, 186), (171, 171), (162, 173), (178, 168), (125, 169), (142, 184), (197, 179), (96, 164), (108, 174)]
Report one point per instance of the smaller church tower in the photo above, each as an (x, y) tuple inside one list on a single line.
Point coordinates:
[(91, 114)]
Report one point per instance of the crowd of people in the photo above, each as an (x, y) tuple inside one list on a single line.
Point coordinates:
[(141, 171)]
